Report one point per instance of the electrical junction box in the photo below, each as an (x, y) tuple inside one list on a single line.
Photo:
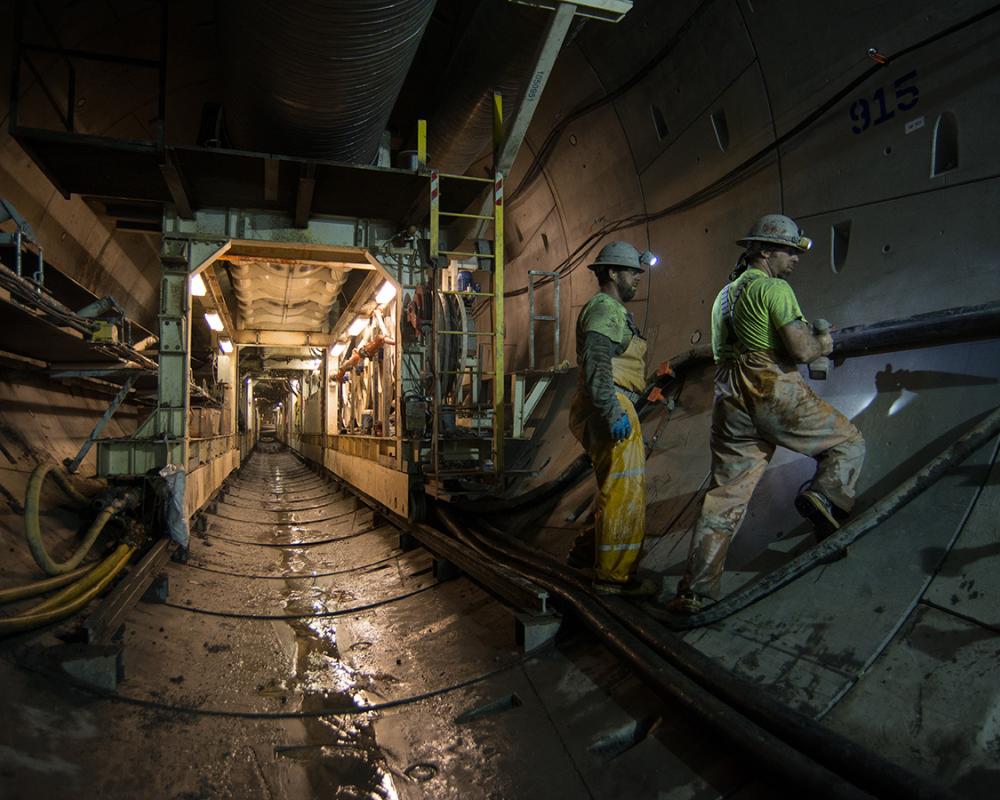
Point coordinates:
[(104, 332)]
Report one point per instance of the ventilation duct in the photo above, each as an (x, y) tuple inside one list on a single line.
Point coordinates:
[(496, 52), (316, 78)]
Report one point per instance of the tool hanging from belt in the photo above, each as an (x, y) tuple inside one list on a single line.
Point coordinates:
[(632, 396)]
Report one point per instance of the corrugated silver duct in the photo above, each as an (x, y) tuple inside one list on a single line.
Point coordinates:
[(316, 78), (496, 52)]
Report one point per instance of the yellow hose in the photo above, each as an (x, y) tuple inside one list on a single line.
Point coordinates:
[(41, 586), (34, 619), (80, 586), (33, 530)]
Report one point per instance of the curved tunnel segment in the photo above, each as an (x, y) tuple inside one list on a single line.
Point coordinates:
[(319, 640)]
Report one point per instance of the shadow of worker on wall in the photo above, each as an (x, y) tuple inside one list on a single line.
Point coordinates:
[(904, 410)]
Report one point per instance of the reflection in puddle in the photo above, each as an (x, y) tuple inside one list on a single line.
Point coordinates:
[(346, 761)]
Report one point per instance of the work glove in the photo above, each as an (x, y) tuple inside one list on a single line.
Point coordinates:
[(621, 429)]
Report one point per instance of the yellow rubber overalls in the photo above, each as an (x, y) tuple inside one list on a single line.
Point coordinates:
[(620, 467)]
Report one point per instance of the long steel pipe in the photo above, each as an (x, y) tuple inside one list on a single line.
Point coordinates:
[(966, 322)]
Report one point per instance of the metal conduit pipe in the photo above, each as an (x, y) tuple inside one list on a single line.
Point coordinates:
[(496, 53), (862, 766), (29, 292), (965, 322), (316, 78)]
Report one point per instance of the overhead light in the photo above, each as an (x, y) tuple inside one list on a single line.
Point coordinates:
[(226, 345), (386, 293), (338, 348), (357, 326), (198, 285), (214, 321)]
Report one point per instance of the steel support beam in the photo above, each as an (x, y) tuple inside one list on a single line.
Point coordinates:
[(102, 625), (260, 338), (545, 59), (72, 465)]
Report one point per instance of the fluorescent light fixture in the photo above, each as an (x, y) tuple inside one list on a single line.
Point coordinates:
[(386, 293), (357, 326), (226, 345), (198, 286), (338, 348), (214, 321)]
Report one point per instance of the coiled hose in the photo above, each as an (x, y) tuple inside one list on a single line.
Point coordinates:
[(32, 528)]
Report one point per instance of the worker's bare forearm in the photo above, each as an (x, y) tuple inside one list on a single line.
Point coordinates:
[(802, 344)]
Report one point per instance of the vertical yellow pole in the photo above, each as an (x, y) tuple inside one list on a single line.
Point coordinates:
[(421, 143), (497, 125), (498, 321)]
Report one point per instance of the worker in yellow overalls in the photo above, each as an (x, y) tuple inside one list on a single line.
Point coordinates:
[(611, 356)]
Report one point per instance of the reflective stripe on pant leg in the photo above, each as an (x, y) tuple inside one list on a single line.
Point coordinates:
[(738, 462), (620, 511), (802, 421)]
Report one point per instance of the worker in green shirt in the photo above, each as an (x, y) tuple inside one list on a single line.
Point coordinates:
[(759, 335), (611, 355)]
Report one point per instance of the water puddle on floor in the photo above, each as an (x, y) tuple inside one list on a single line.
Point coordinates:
[(341, 756)]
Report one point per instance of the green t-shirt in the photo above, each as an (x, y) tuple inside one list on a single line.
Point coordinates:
[(764, 305), (606, 316)]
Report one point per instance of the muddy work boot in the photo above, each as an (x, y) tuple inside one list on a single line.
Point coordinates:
[(686, 603), (820, 512), (633, 587)]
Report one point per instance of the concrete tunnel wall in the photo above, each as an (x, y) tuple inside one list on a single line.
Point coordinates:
[(917, 242)]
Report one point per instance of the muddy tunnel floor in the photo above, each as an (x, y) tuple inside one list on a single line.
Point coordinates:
[(301, 653)]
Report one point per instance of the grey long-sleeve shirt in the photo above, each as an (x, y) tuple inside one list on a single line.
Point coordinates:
[(595, 363)]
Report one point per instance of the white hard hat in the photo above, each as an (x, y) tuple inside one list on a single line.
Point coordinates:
[(777, 229)]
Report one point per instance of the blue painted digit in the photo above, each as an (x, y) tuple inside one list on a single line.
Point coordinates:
[(884, 114), (902, 90), (861, 115)]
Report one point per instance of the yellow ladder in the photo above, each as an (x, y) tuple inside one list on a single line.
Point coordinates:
[(494, 326)]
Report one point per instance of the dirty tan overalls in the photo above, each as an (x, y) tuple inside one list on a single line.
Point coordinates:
[(761, 402)]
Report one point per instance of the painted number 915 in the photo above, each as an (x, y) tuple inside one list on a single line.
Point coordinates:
[(907, 95)]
